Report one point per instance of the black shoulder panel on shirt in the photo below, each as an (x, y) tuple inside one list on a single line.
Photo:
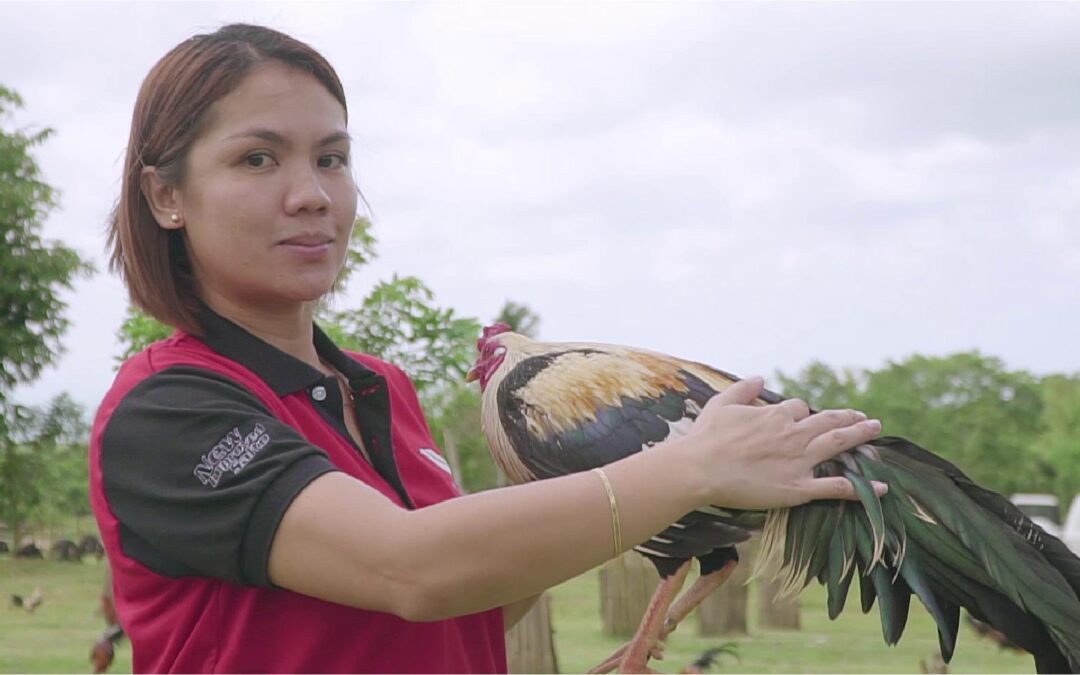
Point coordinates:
[(199, 474)]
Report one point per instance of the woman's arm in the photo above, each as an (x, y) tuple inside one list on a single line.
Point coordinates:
[(342, 541)]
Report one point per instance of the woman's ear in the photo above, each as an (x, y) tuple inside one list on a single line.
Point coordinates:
[(163, 198)]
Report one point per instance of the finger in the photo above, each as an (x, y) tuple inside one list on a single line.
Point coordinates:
[(827, 420), (796, 408), (742, 392), (838, 487), (833, 442)]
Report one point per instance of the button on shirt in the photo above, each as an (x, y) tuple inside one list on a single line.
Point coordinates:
[(196, 453)]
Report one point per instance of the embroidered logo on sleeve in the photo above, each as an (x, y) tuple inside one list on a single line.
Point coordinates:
[(231, 453), (436, 459)]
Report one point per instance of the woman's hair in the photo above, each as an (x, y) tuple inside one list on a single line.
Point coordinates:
[(170, 112)]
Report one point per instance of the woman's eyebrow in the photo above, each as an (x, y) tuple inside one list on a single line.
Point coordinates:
[(274, 137), (336, 137)]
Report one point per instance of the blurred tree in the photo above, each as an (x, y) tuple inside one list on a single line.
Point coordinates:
[(821, 386), (968, 408), (361, 251), (520, 318), (33, 271), (455, 414), (965, 407), (1058, 444), (138, 332), (398, 322), (43, 471)]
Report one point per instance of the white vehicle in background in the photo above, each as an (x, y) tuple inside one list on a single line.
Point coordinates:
[(1043, 510), (1070, 533)]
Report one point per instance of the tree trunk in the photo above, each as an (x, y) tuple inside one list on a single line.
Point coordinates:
[(530, 646), (775, 612), (724, 612), (11, 507), (627, 583), (453, 458)]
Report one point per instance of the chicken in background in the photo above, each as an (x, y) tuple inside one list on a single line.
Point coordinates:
[(104, 650), (709, 657), (30, 603)]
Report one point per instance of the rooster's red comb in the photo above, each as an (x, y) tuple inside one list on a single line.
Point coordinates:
[(490, 332)]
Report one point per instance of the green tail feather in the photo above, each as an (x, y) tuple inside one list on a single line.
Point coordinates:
[(867, 595), (840, 566), (873, 513), (938, 535)]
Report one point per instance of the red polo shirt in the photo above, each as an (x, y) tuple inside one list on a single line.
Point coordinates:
[(197, 451)]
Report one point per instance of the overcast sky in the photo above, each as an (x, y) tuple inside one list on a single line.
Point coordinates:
[(753, 186)]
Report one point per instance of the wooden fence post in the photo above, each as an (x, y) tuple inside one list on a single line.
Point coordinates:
[(776, 612), (724, 612), (530, 645), (627, 583)]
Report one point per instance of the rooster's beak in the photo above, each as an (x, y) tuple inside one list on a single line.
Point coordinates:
[(473, 375)]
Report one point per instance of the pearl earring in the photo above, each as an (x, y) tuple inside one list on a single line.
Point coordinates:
[(175, 218)]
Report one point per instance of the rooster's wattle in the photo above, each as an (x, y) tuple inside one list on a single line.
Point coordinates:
[(551, 409)]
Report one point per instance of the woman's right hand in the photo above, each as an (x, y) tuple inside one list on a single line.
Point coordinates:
[(760, 457)]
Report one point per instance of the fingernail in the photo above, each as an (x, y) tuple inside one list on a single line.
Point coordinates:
[(873, 425), (860, 414)]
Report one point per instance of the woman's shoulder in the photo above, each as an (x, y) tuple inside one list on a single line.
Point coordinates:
[(179, 349), (180, 356)]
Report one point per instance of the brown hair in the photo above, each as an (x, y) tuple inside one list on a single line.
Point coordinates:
[(170, 112)]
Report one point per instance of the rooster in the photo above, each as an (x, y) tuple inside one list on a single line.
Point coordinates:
[(550, 409), (709, 658), (31, 603), (104, 650)]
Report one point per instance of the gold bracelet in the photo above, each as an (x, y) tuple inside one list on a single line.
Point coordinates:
[(616, 526)]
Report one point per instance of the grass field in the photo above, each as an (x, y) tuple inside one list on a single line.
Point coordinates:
[(851, 644), (58, 636)]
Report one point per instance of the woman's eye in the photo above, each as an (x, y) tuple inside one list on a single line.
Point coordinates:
[(258, 160), (333, 161)]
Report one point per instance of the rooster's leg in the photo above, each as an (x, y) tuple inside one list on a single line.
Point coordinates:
[(694, 596), (633, 657), (680, 609)]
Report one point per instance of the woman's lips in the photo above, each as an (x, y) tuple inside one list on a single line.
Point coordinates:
[(312, 239), (308, 246)]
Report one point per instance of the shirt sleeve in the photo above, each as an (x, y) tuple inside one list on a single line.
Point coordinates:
[(199, 474)]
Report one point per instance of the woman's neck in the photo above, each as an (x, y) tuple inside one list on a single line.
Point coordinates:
[(289, 328)]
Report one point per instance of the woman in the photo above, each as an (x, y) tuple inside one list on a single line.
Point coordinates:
[(271, 503)]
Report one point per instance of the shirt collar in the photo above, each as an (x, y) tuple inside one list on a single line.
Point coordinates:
[(284, 373)]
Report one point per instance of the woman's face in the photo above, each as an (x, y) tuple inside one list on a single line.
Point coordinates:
[(268, 199)]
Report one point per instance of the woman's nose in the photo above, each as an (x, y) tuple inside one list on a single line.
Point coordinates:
[(306, 192)]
